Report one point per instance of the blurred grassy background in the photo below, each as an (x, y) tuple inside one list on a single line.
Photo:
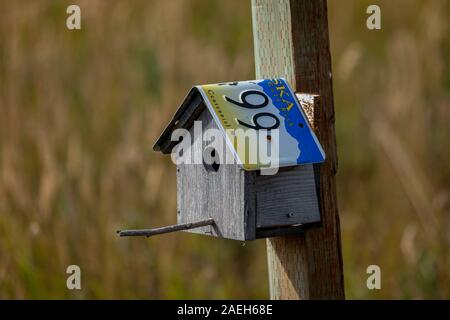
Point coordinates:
[(81, 109)]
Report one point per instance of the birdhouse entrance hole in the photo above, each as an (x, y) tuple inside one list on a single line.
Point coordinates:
[(210, 160)]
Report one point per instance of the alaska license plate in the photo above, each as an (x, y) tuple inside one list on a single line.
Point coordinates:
[(269, 106)]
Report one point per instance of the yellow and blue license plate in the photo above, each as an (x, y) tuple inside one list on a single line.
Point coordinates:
[(263, 105)]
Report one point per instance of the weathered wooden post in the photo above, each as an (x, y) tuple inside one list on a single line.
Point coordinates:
[(291, 40)]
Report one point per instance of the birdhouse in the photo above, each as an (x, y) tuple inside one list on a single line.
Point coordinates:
[(244, 154)]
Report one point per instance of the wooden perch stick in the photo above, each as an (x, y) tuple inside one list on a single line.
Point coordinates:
[(172, 228)]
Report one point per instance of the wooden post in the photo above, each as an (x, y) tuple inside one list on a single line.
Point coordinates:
[(291, 40)]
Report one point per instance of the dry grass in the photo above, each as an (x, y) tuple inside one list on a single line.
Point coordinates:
[(80, 111)]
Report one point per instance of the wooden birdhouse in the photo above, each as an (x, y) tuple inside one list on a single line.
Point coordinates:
[(244, 155)]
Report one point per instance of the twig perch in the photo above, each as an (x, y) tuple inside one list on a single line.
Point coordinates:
[(173, 228)]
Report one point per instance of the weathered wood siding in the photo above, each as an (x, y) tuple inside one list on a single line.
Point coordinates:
[(221, 195)]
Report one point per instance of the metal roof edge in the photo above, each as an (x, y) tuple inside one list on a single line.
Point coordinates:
[(162, 144)]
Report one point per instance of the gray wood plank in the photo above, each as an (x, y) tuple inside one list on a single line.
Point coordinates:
[(287, 198), (219, 195)]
